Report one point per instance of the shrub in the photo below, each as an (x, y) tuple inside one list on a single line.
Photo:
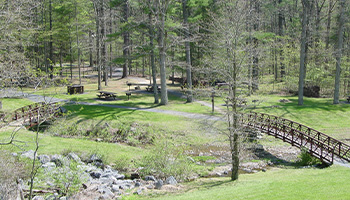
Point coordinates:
[(306, 159), (166, 160), (11, 170)]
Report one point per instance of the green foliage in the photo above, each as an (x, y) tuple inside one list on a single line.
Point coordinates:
[(68, 178), (166, 159), (130, 133), (11, 169), (307, 159)]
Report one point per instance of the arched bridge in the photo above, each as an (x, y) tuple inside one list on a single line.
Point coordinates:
[(29, 115), (318, 144)]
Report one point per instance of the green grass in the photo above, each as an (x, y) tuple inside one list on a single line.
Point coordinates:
[(329, 183), (317, 113), (177, 128), (56, 145), (11, 104)]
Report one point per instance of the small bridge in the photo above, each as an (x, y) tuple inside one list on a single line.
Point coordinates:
[(318, 144), (32, 114)]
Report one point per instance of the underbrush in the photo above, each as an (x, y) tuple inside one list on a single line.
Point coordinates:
[(164, 160), (12, 170), (123, 132)]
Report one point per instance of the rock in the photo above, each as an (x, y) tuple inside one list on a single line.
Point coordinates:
[(115, 188), (218, 174), (150, 187), (74, 157), (44, 159), (191, 159), (263, 170), (134, 176), (51, 197), (171, 181), (57, 159), (159, 184), (14, 154), (49, 165), (138, 184), (63, 198), (150, 178), (120, 176), (38, 198), (95, 158), (247, 170), (95, 174), (138, 192), (28, 154)]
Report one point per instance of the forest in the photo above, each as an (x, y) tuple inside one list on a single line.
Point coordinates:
[(223, 78), (302, 44)]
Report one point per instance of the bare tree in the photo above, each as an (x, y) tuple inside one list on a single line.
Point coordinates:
[(229, 60)]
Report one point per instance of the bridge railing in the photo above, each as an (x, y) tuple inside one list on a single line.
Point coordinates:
[(31, 112), (339, 148)]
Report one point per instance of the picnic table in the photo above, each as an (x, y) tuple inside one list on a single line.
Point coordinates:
[(150, 88), (106, 95)]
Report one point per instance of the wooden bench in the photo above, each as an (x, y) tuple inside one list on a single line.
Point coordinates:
[(348, 99), (106, 95)]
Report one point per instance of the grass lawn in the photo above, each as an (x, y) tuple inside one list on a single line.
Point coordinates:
[(317, 113), (56, 145), (329, 183), (11, 104)]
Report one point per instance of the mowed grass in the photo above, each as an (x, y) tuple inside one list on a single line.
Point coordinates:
[(318, 113), (328, 183), (56, 145), (11, 104), (178, 128)]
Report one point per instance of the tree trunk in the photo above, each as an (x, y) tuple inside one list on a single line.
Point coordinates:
[(188, 52), (98, 47), (77, 35), (90, 49), (50, 42), (303, 51), (103, 43), (339, 52), (152, 64), (126, 40), (162, 55), (329, 15)]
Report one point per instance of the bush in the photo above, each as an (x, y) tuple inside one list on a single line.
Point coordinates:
[(166, 160), (11, 170), (130, 133), (306, 159)]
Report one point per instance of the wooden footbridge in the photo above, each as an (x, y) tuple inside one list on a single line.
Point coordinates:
[(318, 144), (32, 114)]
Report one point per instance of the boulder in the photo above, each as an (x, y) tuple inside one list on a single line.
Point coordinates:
[(44, 159), (49, 165), (95, 174), (28, 154), (150, 178), (74, 157), (171, 181), (159, 184), (57, 159), (38, 198)]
